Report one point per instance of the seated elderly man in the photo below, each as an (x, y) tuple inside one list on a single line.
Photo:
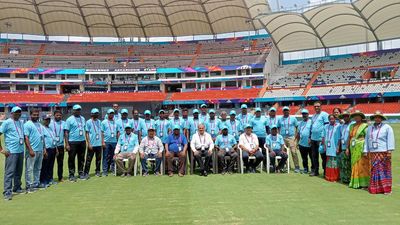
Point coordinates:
[(202, 145), (127, 147), (151, 147), (176, 146), (226, 145), (248, 142), (276, 147)]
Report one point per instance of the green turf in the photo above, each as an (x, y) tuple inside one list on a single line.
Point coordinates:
[(217, 199)]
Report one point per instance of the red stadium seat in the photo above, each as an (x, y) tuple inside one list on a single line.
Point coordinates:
[(118, 97), (329, 108), (370, 108), (30, 98), (216, 95)]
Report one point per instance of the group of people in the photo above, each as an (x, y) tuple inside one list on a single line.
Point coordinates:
[(352, 152)]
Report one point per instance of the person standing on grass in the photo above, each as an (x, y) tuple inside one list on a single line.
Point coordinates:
[(248, 142), (234, 126), (287, 125), (203, 117), (336, 113), (227, 146), (302, 136), (13, 132), (148, 123), (127, 148), (202, 145), (57, 126), (360, 164), (331, 142), (34, 142), (318, 121), (223, 122), (111, 134), (211, 125), (276, 147), (46, 173), (344, 159), (117, 115), (74, 135), (123, 121), (137, 123), (95, 142), (151, 147), (259, 127), (244, 117), (272, 119), (176, 146), (163, 126), (379, 143)]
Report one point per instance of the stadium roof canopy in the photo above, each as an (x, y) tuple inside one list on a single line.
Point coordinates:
[(129, 18), (333, 25)]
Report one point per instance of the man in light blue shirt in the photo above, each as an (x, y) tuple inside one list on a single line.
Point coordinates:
[(111, 134), (177, 121), (148, 123), (276, 147), (46, 173), (318, 121), (223, 122), (123, 121), (211, 124), (272, 119), (244, 117), (57, 125), (194, 123), (234, 127), (127, 148), (303, 134), (226, 145), (287, 125), (163, 126), (13, 132), (117, 115), (74, 135), (95, 141), (34, 142), (203, 117), (137, 123), (259, 125)]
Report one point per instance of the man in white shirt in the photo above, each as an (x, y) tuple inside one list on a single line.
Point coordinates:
[(151, 147), (202, 145), (248, 142)]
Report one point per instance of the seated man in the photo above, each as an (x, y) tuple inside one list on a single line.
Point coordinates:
[(276, 147), (127, 147), (151, 147), (176, 146), (226, 145), (202, 145), (248, 142)]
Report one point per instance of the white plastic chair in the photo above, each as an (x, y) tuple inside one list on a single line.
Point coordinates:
[(278, 158), (251, 157), (126, 161)]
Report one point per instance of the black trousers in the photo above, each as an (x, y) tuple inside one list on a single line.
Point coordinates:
[(305, 153), (77, 150), (60, 162), (204, 166), (46, 173), (315, 157), (89, 156)]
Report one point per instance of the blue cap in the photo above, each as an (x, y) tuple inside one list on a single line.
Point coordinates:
[(224, 127), (233, 112), (203, 106), (76, 107), (272, 109), (147, 112), (124, 111), (244, 106), (211, 111), (248, 126), (161, 111), (304, 111), (195, 111), (285, 108), (94, 111), (109, 111), (176, 110), (15, 109), (177, 127), (258, 109), (274, 127)]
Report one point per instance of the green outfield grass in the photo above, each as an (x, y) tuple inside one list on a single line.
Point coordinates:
[(217, 199)]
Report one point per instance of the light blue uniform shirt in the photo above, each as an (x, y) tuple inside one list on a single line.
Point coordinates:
[(222, 123), (193, 126), (162, 129), (128, 143), (318, 122), (109, 129), (225, 142), (94, 130), (58, 129), (287, 126), (245, 119), (259, 124), (212, 127), (332, 136), (235, 128), (49, 137), (304, 132), (181, 123), (35, 133), (122, 124), (344, 134), (13, 135), (76, 128), (272, 121), (137, 125), (117, 116), (379, 139), (274, 142), (203, 118), (146, 125)]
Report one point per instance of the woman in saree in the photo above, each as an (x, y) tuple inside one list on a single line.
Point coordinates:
[(330, 140), (360, 165)]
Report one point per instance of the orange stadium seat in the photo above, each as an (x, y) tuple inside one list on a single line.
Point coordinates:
[(370, 108), (30, 98), (293, 110), (216, 95), (328, 108), (118, 97)]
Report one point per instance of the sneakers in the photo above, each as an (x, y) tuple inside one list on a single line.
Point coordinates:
[(19, 191), (180, 175), (98, 174), (157, 173), (42, 186), (128, 175), (30, 190), (297, 170), (123, 174), (7, 196), (84, 177), (72, 179), (105, 174), (145, 174), (170, 174)]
